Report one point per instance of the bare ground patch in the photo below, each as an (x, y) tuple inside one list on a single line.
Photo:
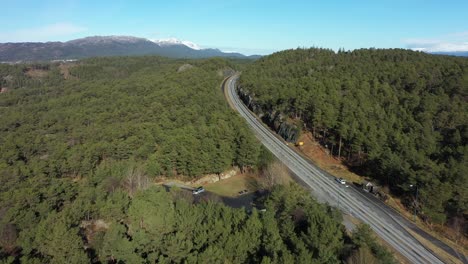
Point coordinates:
[(36, 73), (65, 71)]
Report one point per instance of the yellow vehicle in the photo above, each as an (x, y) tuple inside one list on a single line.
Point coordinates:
[(300, 143)]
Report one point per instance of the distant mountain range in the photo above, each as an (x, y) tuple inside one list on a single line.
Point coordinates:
[(452, 53), (106, 46)]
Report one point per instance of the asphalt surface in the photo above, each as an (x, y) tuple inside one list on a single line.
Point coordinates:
[(383, 220)]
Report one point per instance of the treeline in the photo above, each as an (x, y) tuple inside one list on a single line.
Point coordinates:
[(396, 115)]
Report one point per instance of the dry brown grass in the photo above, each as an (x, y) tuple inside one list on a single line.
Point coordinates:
[(65, 71), (275, 174), (321, 157), (443, 233), (136, 180), (362, 256), (36, 73)]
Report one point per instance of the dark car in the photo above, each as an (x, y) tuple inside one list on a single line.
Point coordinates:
[(242, 192)]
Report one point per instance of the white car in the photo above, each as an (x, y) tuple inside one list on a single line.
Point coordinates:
[(198, 190), (341, 180)]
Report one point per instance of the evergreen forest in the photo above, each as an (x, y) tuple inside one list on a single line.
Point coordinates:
[(81, 145), (397, 116)]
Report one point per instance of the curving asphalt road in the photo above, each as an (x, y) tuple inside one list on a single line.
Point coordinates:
[(386, 223)]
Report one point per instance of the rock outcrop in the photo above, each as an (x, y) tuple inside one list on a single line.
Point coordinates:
[(211, 178), (274, 119)]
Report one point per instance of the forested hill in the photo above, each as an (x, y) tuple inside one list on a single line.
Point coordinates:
[(82, 144), (397, 115), (143, 117), (161, 112)]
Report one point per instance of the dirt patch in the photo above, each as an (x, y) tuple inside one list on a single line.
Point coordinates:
[(202, 180), (185, 67), (91, 227), (321, 156), (65, 71), (36, 73)]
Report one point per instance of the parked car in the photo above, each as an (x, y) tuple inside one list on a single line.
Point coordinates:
[(242, 192), (198, 190)]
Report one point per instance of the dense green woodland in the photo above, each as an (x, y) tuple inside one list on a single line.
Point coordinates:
[(396, 115), (79, 157), (119, 109)]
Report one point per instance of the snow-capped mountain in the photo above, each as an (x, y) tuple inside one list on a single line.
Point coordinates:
[(106, 46), (174, 41)]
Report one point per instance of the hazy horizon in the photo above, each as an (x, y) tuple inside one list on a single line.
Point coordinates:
[(250, 28)]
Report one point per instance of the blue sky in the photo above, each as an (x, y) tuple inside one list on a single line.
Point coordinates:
[(250, 27)]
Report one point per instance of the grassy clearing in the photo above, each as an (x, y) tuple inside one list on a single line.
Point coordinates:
[(230, 187)]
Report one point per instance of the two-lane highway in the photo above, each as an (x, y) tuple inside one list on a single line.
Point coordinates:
[(325, 189)]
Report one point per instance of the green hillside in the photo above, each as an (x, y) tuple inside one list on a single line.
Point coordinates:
[(79, 156), (172, 122), (396, 115)]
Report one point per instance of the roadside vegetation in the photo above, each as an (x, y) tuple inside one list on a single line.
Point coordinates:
[(397, 116)]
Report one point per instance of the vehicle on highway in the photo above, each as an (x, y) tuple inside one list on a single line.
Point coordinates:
[(341, 180), (198, 190)]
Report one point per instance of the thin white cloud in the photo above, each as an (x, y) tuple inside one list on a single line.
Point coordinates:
[(450, 47), (453, 42), (49, 32), (438, 46)]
